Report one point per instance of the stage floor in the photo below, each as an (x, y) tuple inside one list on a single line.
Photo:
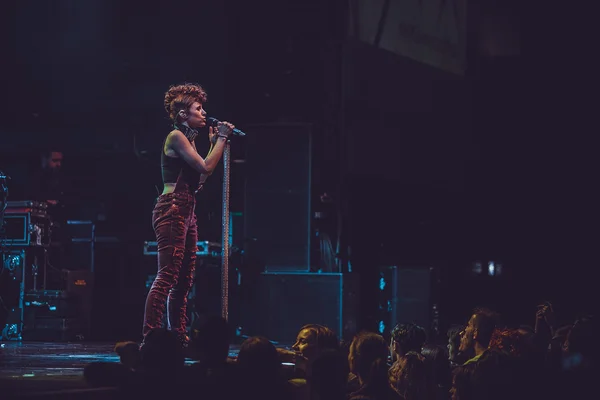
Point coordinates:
[(30, 367)]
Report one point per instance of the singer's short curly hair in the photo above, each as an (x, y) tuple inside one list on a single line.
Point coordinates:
[(181, 97)]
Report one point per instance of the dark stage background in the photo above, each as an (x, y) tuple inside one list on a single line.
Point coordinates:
[(426, 166)]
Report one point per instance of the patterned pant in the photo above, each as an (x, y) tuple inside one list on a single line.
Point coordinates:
[(174, 222)]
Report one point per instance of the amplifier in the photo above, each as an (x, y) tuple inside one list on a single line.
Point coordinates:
[(60, 314), (49, 303), (26, 206), (79, 283), (205, 249), (26, 223)]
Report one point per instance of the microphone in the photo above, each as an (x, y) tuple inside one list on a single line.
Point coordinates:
[(210, 121)]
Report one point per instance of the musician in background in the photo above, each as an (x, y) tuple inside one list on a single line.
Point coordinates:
[(48, 183), (174, 216)]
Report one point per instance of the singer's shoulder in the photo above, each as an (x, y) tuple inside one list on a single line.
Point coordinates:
[(175, 135), (175, 132)]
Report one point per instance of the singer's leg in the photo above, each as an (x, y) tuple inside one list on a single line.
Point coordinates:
[(170, 229), (178, 297)]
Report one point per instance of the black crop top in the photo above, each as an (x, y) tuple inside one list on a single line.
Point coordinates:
[(172, 167)]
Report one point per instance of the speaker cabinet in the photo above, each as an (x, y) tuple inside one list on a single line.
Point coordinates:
[(277, 194), (281, 303), (406, 295), (13, 265)]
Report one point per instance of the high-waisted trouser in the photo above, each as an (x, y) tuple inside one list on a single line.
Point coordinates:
[(174, 222)]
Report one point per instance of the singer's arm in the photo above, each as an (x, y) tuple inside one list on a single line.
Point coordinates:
[(204, 177), (182, 146), (212, 146)]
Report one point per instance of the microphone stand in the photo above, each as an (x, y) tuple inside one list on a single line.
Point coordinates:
[(225, 233)]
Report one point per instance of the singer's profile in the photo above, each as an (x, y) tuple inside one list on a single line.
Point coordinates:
[(174, 217)]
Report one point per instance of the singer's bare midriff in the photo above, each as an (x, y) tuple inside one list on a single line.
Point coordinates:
[(169, 188)]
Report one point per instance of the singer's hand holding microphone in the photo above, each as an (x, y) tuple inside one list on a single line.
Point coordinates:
[(218, 130), (210, 121), (224, 130)]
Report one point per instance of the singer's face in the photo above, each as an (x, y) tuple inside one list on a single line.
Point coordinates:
[(196, 116)]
